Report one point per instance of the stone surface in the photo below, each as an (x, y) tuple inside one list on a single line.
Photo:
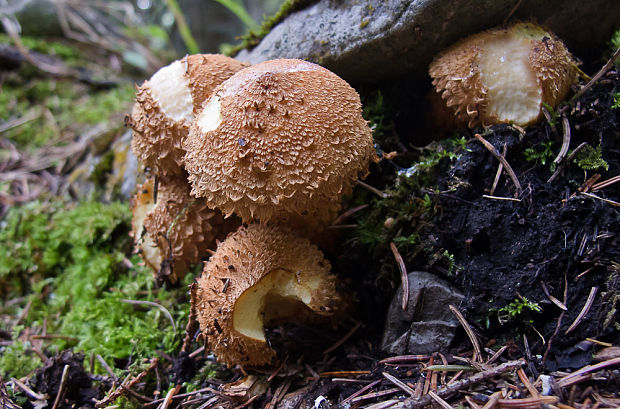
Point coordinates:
[(369, 40), (427, 325)]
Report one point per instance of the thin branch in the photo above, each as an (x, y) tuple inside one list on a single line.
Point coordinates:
[(399, 383), (500, 169), (584, 310), (343, 339), (510, 199), (61, 388), (454, 387), (563, 165), (469, 331), (158, 306), (598, 75), (590, 195), (565, 141), (605, 183), (504, 162), (403, 274)]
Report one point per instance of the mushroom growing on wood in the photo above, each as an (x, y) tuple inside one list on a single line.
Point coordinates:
[(280, 136), (166, 104), (259, 275), (504, 75), (173, 230)]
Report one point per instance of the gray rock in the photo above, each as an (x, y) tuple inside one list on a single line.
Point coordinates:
[(427, 325), (369, 40)]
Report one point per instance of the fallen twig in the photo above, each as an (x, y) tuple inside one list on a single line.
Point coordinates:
[(348, 213), (586, 370), (598, 75), (511, 199), (500, 169), (504, 162), (28, 391), (565, 141), (343, 339), (372, 189), (584, 310), (163, 309), (560, 168), (402, 385), (454, 387), (361, 391), (403, 274), (605, 183), (440, 401), (611, 202), (470, 333), (121, 389)]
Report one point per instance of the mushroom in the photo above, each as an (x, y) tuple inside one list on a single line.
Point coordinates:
[(504, 75), (279, 137), (166, 104), (173, 230), (260, 275)]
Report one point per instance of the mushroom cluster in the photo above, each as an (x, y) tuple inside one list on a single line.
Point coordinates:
[(276, 146), (504, 75)]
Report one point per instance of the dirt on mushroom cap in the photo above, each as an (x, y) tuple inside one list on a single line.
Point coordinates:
[(239, 264), (161, 124), (277, 135)]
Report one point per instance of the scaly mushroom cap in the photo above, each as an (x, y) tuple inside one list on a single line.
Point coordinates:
[(175, 232), (275, 137), (167, 103), (258, 275), (504, 75)]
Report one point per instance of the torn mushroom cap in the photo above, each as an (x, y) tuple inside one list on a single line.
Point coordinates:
[(275, 137), (504, 75), (166, 105), (175, 231), (260, 274)]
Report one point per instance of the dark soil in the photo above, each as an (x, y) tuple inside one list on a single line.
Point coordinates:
[(553, 237)]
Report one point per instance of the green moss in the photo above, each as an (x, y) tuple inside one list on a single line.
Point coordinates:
[(71, 261), (543, 153), (17, 360), (56, 48), (591, 159), (407, 209), (57, 108), (521, 307), (364, 23), (616, 103), (253, 37)]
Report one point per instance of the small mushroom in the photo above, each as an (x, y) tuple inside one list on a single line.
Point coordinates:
[(504, 75), (260, 275), (279, 137), (166, 104), (173, 230)]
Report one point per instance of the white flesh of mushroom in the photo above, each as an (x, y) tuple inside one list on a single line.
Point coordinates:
[(277, 295), (170, 89), (513, 90), (211, 116)]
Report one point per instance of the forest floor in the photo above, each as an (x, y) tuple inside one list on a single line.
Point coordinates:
[(535, 250)]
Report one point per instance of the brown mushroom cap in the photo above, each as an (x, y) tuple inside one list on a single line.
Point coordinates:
[(275, 137), (166, 105), (504, 75), (175, 232), (258, 275)]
